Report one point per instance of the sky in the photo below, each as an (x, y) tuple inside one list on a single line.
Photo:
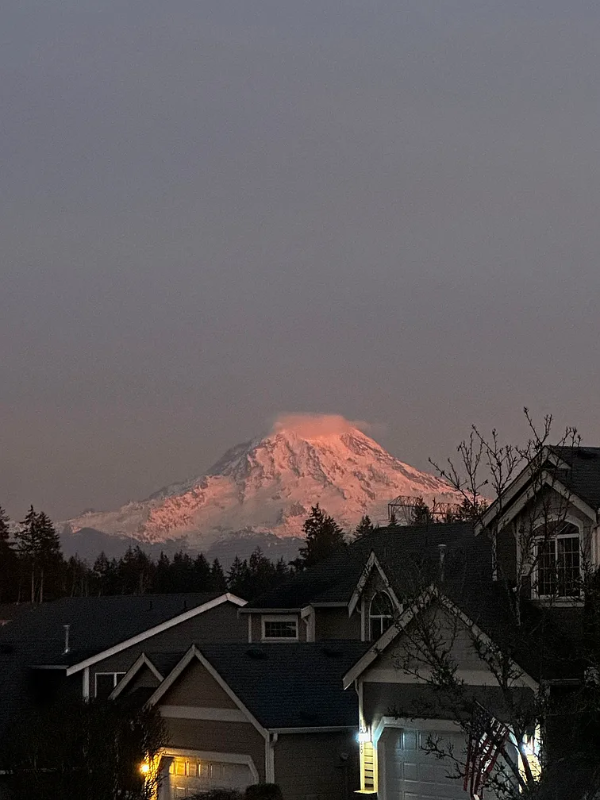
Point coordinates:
[(218, 211)]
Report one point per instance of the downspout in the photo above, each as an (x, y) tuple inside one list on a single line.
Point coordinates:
[(270, 742)]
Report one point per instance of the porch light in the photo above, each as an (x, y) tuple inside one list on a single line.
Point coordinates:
[(144, 768), (363, 735)]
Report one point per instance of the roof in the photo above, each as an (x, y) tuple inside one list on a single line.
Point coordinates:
[(96, 624), (334, 579), (583, 475), (278, 683)]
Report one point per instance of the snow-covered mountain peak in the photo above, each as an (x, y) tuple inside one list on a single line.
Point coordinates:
[(268, 485)]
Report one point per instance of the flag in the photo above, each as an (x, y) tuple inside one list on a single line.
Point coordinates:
[(487, 737)]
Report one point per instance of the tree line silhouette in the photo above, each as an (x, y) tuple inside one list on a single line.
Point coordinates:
[(33, 567)]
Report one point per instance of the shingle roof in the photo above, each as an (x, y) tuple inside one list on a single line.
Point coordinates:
[(96, 624), (583, 477), (335, 579), (290, 685)]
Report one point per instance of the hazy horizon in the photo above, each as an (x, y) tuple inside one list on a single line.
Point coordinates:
[(215, 213)]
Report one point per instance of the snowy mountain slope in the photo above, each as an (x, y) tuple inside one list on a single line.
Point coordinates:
[(268, 486)]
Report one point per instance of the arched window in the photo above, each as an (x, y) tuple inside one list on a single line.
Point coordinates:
[(558, 560), (381, 614)]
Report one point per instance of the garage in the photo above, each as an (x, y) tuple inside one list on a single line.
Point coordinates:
[(191, 773), (408, 772)]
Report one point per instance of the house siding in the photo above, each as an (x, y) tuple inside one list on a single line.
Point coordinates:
[(218, 737), (197, 687), (219, 624), (317, 766), (334, 623), (145, 679)]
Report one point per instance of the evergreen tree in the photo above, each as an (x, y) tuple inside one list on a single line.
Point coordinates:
[(8, 561), (163, 583), (364, 527), (28, 548), (323, 537), (420, 513), (201, 573), (49, 555), (217, 577), (4, 531), (238, 576), (182, 570), (393, 522)]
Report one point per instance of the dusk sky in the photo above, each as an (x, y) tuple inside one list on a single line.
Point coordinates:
[(217, 211)]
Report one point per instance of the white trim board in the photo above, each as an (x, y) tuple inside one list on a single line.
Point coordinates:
[(194, 653), (324, 729), (163, 626), (372, 563), (140, 662), (520, 482), (422, 602), (205, 713)]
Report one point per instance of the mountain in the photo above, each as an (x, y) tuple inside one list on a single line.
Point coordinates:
[(267, 486)]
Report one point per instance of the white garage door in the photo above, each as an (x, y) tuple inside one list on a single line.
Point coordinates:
[(408, 772), (188, 776)]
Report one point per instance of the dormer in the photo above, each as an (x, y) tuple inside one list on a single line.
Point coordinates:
[(375, 599), (545, 526)]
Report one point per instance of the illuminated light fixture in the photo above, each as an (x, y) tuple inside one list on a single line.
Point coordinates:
[(363, 736), (145, 768)]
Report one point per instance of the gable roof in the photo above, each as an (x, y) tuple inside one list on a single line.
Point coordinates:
[(582, 476), (335, 579), (284, 686), (573, 471), (100, 626), (428, 596)]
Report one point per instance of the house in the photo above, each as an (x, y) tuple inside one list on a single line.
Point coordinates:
[(239, 713), (84, 645), (545, 527), (317, 685)]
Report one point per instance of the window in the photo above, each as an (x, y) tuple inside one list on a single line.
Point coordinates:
[(106, 682), (279, 628), (381, 613), (558, 562)]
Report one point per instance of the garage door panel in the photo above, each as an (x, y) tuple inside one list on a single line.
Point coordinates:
[(411, 773)]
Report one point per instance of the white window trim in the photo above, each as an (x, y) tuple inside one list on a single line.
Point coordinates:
[(116, 678), (556, 598), (371, 617), (278, 618)]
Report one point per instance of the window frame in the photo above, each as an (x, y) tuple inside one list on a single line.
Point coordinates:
[(116, 678), (574, 533), (379, 617), (279, 618)]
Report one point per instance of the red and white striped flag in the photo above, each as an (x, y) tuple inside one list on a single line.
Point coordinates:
[(487, 738)]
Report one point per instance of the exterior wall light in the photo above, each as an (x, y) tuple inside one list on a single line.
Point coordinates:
[(363, 735), (144, 768)]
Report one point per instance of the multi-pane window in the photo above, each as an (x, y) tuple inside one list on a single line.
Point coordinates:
[(381, 613), (559, 563), (106, 682), (283, 628)]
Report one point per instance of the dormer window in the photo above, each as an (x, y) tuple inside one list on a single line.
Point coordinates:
[(381, 613), (280, 628), (558, 562)]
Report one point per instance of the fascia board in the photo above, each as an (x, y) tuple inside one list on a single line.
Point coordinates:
[(518, 484), (139, 663), (163, 626), (192, 653)]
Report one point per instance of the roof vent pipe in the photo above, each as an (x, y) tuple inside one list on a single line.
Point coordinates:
[(442, 550), (67, 648)]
